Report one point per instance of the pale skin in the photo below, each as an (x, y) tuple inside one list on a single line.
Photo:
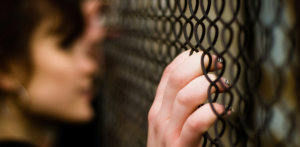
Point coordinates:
[(174, 118), (59, 90)]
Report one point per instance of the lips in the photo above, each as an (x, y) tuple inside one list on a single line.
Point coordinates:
[(87, 93)]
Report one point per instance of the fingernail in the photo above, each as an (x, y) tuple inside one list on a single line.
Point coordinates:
[(220, 60), (226, 81)]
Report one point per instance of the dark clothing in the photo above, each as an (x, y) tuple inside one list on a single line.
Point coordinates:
[(15, 144)]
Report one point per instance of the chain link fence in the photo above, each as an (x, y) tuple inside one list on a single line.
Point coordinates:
[(258, 41)]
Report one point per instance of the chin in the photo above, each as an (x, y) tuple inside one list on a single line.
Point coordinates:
[(87, 118), (78, 116), (84, 116)]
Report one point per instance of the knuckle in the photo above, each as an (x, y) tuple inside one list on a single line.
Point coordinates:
[(169, 69), (175, 79), (182, 98), (157, 127), (151, 116), (193, 124)]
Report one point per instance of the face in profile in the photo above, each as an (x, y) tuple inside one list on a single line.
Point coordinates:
[(61, 83)]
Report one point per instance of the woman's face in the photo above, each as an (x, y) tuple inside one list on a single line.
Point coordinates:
[(61, 83)]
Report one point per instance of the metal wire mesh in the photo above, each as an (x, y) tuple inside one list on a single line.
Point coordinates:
[(257, 39)]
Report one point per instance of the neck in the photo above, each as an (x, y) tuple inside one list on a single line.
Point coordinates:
[(16, 125)]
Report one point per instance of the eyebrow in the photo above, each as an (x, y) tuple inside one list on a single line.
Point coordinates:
[(103, 6)]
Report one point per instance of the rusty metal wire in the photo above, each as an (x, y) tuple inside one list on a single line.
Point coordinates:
[(258, 41)]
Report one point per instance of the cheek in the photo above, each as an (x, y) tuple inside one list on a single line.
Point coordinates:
[(54, 79), (53, 90)]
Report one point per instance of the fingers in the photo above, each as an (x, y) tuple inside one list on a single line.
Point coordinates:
[(180, 77), (161, 87), (198, 123), (189, 98)]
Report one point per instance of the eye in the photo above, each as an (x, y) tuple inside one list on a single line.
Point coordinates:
[(101, 19), (66, 43), (102, 14)]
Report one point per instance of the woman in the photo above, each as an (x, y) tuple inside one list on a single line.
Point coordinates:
[(48, 62)]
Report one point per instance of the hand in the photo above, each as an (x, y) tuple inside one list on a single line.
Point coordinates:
[(174, 118)]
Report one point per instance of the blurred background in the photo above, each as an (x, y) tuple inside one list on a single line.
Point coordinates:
[(258, 40)]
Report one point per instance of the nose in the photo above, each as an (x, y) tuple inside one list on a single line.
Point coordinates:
[(88, 56), (86, 65)]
